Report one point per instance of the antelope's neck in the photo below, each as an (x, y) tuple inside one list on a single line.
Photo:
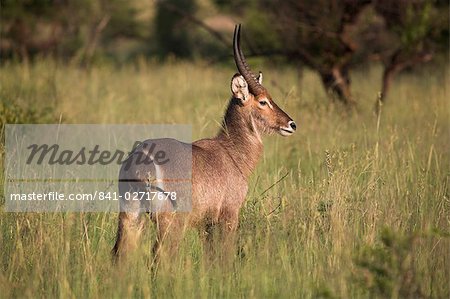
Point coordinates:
[(240, 138)]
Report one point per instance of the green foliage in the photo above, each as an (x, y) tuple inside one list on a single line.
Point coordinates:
[(123, 21), (64, 28), (320, 34), (24, 113), (389, 267), (171, 30), (259, 29), (418, 24)]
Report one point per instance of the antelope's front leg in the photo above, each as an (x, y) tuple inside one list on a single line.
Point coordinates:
[(220, 235), (228, 223)]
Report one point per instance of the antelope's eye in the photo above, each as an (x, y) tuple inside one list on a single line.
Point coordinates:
[(263, 103)]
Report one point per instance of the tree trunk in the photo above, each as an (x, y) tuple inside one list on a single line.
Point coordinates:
[(398, 63), (337, 82), (388, 76)]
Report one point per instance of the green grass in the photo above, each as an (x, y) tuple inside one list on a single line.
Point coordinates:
[(364, 210)]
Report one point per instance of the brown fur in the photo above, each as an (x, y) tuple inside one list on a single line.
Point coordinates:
[(221, 167)]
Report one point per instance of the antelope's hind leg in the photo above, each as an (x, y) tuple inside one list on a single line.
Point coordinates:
[(170, 228), (128, 234), (131, 222)]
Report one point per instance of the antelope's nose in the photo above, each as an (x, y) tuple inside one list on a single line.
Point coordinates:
[(292, 125)]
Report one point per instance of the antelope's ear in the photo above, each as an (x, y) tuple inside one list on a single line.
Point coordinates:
[(259, 78), (239, 88)]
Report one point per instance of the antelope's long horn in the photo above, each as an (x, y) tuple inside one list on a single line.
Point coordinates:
[(242, 65)]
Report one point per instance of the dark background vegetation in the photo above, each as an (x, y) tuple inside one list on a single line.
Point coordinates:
[(353, 205), (328, 36)]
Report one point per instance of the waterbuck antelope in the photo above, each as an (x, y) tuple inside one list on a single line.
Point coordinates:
[(221, 165)]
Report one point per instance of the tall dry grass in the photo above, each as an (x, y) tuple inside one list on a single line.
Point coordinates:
[(352, 205)]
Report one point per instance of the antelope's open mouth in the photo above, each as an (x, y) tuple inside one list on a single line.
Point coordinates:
[(286, 131)]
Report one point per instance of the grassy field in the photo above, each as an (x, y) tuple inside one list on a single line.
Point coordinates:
[(362, 208)]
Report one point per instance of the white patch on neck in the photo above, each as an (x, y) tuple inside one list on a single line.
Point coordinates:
[(255, 129)]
